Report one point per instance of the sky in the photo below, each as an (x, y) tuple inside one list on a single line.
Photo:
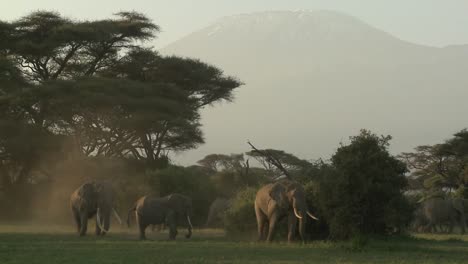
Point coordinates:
[(429, 22)]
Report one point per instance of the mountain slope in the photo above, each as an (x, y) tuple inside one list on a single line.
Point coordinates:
[(315, 78)]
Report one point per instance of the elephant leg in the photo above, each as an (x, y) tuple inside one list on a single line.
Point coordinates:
[(452, 222), (141, 226), (171, 223), (172, 231), (261, 223), (292, 221), (272, 225), (76, 218), (462, 223), (84, 223), (265, 230)]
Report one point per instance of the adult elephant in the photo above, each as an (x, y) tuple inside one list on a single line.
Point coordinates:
[(444, 211), (277, 200), (166, 210), (90, 199)]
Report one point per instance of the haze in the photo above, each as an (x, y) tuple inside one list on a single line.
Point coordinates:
[(413, 91), (430, 22)]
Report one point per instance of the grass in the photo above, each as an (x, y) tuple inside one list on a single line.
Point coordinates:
[(54, 244)]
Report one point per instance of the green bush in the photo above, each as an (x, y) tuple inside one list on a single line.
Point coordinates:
[(315, 229), (361, 191), (240, 218)]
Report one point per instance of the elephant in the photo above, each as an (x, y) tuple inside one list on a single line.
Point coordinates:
[(93, 198), (439, 211), (420, 222), (216, 212), (277, 200), (167, 210)]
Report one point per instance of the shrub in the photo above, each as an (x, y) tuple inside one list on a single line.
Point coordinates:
[(362, 191), (315, 229), (240, 217)]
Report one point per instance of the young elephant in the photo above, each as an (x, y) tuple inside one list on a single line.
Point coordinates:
[(165, 210), (93, 198), (277, 200)]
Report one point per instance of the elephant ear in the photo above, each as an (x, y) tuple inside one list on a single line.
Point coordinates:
[(278, 194), (177, 202)]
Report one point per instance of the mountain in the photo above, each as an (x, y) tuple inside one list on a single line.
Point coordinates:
[(314, 78)]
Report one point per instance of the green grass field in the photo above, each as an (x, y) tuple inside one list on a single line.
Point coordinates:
[(54, 244)]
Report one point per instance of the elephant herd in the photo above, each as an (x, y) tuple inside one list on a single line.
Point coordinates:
[(273, 202), (97, 199)]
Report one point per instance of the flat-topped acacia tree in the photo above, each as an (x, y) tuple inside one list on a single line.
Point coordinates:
[(97, 87)]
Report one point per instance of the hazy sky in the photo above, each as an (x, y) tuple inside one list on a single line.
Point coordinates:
[(430, 22)]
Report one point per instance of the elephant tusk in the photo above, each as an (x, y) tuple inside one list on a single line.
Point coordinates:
[(189, 222), (117, 216), (297, 215), (312, 216), (98, 220)]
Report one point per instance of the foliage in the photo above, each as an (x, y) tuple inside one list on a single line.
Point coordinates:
[(292, 164), (72, 89), (441, 167), (316, 229), (240, 218), (231, 173), (363, 190)]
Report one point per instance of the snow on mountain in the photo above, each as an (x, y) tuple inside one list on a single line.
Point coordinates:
[(314, 78)]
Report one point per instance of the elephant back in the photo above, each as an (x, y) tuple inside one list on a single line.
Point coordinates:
[(438, 209), (272, 192)]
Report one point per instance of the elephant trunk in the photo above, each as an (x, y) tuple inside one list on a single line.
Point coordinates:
[(302, 223), (190, 227), (301, 212)]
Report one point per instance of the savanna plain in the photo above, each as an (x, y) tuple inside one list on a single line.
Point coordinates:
[(59, 244)]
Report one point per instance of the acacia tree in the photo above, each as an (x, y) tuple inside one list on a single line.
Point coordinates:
[(43, 48), (279, 162), (92, 85), (441, 168), (190, 81)]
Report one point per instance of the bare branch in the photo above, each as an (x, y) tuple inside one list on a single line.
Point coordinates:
[(271, 159)]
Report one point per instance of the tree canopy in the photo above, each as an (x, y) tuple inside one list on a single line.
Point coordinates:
[(440, 168), (93, 89)]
